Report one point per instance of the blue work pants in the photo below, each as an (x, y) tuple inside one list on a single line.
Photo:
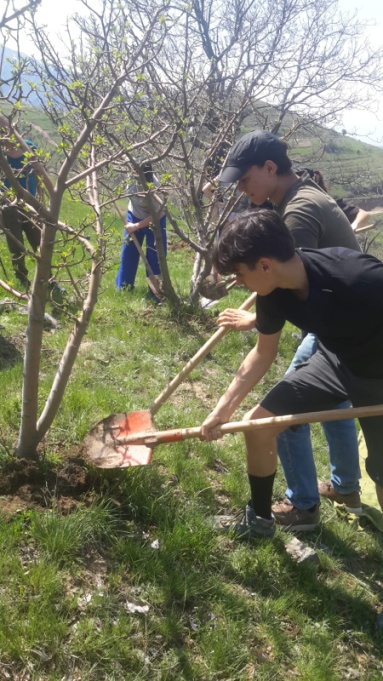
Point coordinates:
[(296, 454)]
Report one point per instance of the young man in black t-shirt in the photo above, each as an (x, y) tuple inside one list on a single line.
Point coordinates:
[(335, 293), (260, 164)]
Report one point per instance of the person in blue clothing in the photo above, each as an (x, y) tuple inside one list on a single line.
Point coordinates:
[(138, 221), (15, 218)]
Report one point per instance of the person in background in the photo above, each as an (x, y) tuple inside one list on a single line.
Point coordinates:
[(16, 219), (356, 216), (138, 221), (259, 163)]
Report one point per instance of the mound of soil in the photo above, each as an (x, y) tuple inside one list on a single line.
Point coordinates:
[(29, 484), (10, 351)]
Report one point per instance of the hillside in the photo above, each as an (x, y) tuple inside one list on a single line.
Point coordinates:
[(36, 124), (351, 168)]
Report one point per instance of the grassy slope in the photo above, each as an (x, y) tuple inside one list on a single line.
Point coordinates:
[(352, 168), (217, 609)]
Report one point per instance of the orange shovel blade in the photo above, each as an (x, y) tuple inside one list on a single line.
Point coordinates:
[(104, 450)]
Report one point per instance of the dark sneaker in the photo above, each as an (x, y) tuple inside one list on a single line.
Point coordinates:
[(245, 525), (351, 501), (289, 517)]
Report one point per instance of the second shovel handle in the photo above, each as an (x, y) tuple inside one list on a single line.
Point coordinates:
[(177, 435)]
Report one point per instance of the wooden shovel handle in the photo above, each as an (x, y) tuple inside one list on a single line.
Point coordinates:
[(358, 230), (202, 352), (177, 435), (153, 283)]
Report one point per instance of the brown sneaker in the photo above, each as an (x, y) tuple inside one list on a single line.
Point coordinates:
[(289, 517), (351, 501)]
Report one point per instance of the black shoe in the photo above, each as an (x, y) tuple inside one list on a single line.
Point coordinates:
[(245, 525)]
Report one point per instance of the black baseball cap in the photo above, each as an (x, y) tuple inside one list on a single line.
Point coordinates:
[(254, 148)]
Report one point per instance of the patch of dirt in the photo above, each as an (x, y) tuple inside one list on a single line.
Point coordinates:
[(10, 351), (85, 345), (199, 389), (178, 245), (29, 484)]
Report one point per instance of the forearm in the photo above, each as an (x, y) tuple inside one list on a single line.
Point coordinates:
[(360, 219), (146, 221)]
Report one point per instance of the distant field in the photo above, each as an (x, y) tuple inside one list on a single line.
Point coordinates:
[(36, 125), (351, 168)]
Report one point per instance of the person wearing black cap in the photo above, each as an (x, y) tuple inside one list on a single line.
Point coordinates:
[(259, 163), (321, 291)]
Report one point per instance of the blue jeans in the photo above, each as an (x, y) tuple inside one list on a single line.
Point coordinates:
[(130, 256), (296, 454)]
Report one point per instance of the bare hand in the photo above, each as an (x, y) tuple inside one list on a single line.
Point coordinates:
[(131, 227), (239, 320), (209, 430)]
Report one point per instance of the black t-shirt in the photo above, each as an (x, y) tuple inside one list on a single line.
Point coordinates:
[(344, 307)]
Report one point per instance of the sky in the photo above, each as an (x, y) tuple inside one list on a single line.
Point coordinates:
[(367, 125), (364, 125)]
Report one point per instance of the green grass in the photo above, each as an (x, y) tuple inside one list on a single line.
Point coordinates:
[(207, 608)]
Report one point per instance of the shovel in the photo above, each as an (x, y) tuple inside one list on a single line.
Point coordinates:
[(113, 444), (108, 431)]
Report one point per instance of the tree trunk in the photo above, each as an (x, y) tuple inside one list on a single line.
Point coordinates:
[(167, 285), (28, 437)]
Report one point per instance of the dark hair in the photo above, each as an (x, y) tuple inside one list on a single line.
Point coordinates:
[(147, 169), (251, 236), (284, 164), (315, 175), (319, 179), (278, 155)]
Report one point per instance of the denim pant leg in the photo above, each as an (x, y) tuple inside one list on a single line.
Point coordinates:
[(342, 440), (127, 270), (294, 446), (151, 250), (296, 454), (13, 222)]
